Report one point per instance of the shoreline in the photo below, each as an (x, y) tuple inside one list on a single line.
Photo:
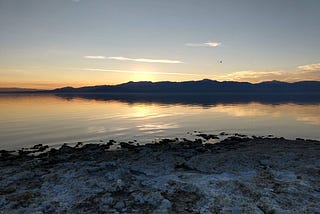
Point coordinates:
[(240, 174)]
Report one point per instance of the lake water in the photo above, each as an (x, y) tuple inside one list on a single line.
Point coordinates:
[(26, 120)]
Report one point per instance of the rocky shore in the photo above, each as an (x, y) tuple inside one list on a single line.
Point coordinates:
[(240, 174)]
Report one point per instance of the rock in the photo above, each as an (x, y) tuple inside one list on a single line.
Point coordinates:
[(120, 205), (202, 163), (235, 139), (119, 185), (2, 202), (138, 197), (38, 146), (240, 135), (236, 210), (7, 155), (182, 201), (7, 190), (164, 207), (111, 142), (127, 145), (179, 161), (78, 145), (238, 175), (107, 200), (208, 136), (91, 147), (153, 198), (66, 149), (166, 141)]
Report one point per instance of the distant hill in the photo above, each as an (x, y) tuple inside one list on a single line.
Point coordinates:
[(202, 86), (6, 90)]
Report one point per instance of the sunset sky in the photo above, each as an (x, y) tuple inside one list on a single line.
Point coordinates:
[(55, 43)]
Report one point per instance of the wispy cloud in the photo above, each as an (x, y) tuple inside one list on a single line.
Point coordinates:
[(310, 67), (145, 60), (260, 76), (303, 72), (138, 72), (95, 57), (207, 44), (252, 76), (135, 59)]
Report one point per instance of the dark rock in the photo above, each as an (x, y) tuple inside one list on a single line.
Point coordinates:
[(235, 139), (66, 149), (38, 146), (182, 201), (201, 149), (78, 145), (310, 140), (111, 142), (240, 135), (167, 141), (208, 136), (127, 145)]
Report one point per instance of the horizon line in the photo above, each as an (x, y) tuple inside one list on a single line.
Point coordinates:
[(131, 81)]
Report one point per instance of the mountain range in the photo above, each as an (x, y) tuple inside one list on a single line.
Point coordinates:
[(201, 86)]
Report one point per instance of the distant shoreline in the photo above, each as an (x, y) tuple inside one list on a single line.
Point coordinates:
[(203, 98)]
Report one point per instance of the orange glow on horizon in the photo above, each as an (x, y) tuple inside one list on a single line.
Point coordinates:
[(48, 86), (105, 78)]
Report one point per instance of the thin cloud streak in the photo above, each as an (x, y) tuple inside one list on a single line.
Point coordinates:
[(310, 72), (310, 67), (207, 44), (138, 72), (95, 57), (146, 60), (260, 76), (121, 58), (252, 76)]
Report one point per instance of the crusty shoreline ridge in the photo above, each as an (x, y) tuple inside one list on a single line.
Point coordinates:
[(239, 174)]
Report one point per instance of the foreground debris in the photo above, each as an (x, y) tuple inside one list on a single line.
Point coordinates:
[(238, 175)]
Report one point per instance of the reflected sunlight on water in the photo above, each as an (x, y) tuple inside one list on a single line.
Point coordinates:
[(308, 113), (31, 119)]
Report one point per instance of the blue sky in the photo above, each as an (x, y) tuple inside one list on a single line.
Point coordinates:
[(47, 43)]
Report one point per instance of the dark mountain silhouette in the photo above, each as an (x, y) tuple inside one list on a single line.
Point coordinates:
[(204, 92), (202, 86)]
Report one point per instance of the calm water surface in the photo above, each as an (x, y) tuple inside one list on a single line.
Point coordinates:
[(26, 120)]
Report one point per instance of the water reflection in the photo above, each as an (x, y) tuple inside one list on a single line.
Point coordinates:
[(48, 119), (202, 99), (156, 128), (308, 113)]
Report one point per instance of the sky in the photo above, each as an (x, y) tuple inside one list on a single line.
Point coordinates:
[(55, 43)]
